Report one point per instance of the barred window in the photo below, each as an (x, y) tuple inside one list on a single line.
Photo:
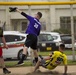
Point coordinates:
[(24, 26), (65, 22)]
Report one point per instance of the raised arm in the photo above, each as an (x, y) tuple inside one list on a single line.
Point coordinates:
[(14, 9), (18, 10), (21, 12)]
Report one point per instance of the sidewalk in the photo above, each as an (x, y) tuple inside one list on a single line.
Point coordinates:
[(26, 70)]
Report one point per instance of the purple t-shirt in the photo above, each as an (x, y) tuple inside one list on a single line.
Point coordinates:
[(34, 25)]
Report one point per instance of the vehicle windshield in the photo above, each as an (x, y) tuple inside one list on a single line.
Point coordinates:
[(66, 37), (45, 37), (55, 37)]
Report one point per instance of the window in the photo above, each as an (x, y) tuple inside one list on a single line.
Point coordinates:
[(13, 38), (66, 39), (24, 26), (55, 37), (19, 38), (45, 37), (65, 23)]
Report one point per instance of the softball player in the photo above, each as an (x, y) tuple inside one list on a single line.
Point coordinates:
[(33, 30), (55, 59), (5, 71)]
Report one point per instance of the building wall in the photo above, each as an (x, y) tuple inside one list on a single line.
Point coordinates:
[(51, 14)]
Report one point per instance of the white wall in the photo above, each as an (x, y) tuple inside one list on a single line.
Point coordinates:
[(2, 15), (51, 13)]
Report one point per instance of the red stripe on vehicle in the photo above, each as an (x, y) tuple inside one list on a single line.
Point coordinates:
[(14, 45)]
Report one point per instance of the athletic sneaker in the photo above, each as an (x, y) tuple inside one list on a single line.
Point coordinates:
[(5, 71), (20, 63)]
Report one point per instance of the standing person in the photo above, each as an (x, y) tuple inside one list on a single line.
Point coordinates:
[(33, 30), (5, 71), (55, 59)]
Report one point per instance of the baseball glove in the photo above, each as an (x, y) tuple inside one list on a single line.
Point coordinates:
[(11, 9)]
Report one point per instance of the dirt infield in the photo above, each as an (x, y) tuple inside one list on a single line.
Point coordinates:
[(58, 71), (49, 73), (42, 71)]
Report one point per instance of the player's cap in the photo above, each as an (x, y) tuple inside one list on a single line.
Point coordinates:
[(40, 14)]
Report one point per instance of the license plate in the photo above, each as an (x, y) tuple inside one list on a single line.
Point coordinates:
[(48, 48)]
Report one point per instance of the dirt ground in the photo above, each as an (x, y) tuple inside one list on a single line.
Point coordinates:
[(49, 73), (42, 71)]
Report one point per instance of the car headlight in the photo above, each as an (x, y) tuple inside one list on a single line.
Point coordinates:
[(43, 44), (57, 44)]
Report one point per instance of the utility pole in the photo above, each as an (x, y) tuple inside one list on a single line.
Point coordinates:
[(72, 31)]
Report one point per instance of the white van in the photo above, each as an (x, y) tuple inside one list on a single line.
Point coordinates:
[(15, 41)]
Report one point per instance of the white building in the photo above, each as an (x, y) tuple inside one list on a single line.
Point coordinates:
[(54, 16)]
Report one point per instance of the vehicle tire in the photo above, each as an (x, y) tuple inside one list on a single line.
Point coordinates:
[(20, 55)]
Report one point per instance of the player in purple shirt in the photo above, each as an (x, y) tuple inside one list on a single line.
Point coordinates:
[(33, 30), (34, 24)]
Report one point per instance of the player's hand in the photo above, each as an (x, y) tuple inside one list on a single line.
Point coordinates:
[(6, 46), (12, 9)]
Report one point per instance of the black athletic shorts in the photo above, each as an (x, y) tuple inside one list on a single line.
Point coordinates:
[(31, 41)]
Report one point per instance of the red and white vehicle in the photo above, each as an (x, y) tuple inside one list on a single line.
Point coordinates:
[(15, 41)]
